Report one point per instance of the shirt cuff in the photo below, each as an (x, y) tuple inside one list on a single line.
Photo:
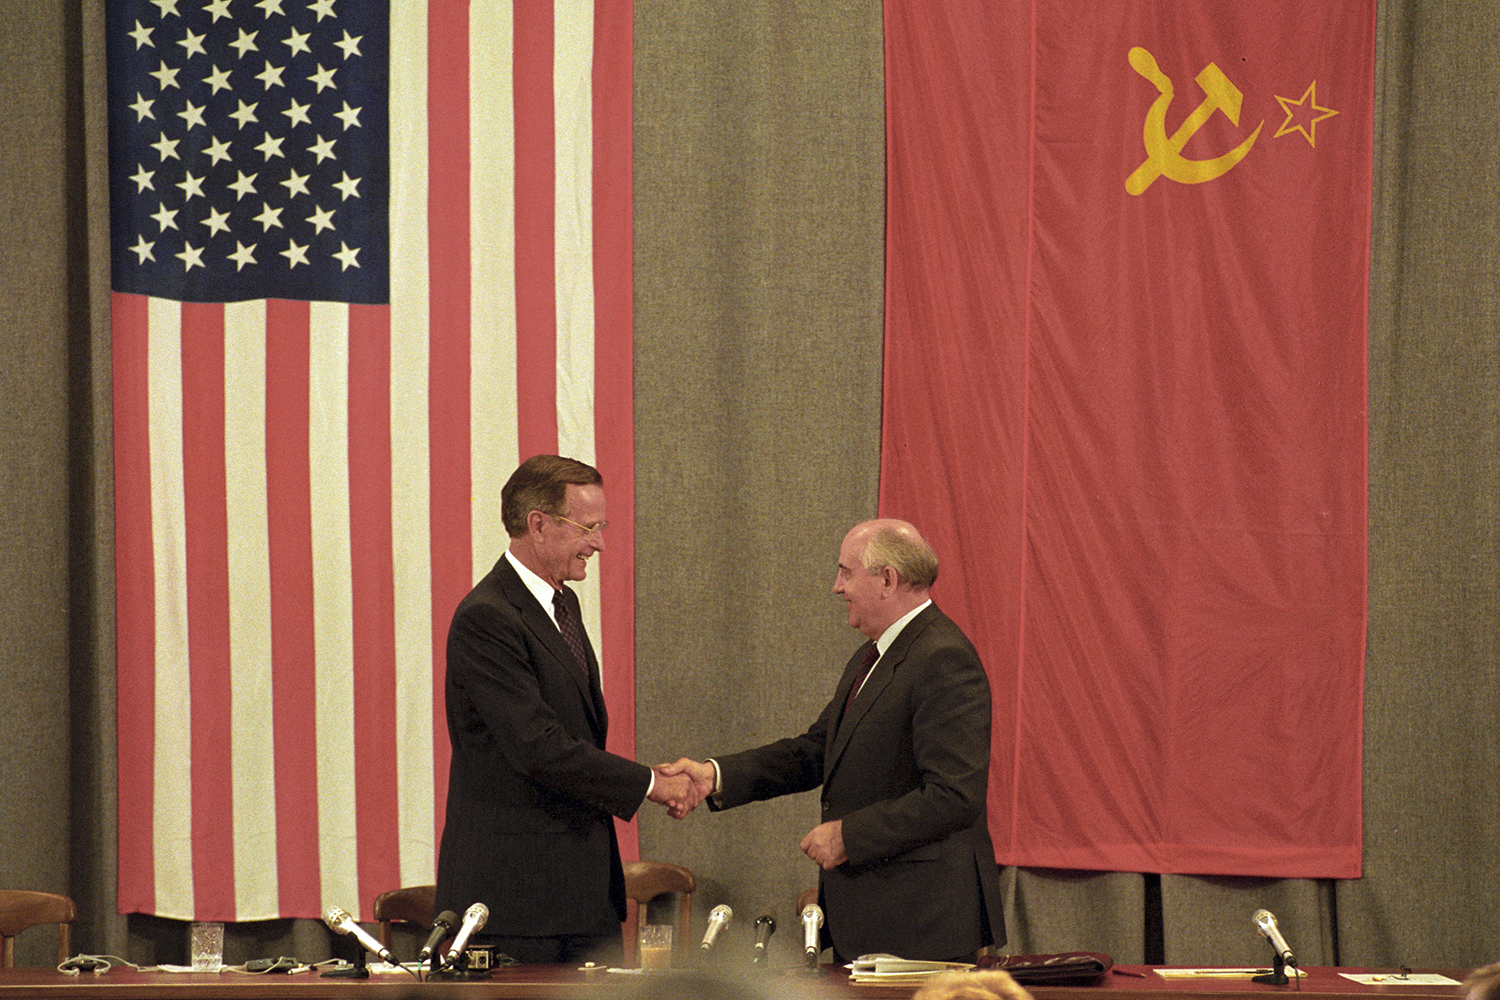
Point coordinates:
[(718, 782)]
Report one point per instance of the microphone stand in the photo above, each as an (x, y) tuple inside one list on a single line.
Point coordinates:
[(359, 970), (1277, 975), (811, 966)]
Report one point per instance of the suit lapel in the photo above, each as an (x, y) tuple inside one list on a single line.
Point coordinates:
[(542, 626), (598, 714), (880, 679), (847, 680)]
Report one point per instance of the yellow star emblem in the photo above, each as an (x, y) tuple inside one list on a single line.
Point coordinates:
[(1306, 108)]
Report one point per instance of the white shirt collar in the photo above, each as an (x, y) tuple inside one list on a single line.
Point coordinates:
[(886, 638), (540, 589), (889, 635)]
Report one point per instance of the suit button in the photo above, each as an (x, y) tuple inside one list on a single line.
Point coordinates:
[(825, 808)]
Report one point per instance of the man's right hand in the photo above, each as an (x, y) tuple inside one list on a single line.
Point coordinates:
[(700, 774), (676, 791)]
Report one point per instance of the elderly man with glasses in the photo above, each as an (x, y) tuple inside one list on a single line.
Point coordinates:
[(531, 789)]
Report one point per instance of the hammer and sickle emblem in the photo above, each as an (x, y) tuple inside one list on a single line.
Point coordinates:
[(1164, 154)]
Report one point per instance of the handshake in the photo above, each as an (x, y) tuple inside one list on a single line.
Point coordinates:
[(682, 785)]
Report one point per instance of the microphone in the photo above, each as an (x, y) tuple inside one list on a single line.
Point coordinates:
[(1265, 922), (765, 926), (474, 921), (718, 919), (812, 919), (442, 926), (339, 921)]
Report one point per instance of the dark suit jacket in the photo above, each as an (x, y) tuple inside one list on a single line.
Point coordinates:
[(907, 771), (531, 789)]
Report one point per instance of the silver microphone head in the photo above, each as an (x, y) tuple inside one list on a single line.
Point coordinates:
[(474, 919), (718, 919), (1265, 922), (337, 919), (812, 919)]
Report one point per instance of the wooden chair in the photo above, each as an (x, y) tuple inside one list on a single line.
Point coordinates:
[(20, 909), (412, 904), (645, 881)]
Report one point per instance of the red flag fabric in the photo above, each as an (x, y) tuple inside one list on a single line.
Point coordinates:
[(1125, 396), (366, 258)]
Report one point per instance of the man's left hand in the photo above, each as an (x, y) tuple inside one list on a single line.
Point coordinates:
[(825, 844)]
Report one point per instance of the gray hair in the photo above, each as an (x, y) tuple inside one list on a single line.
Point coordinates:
[(541, 483), (899, 546)]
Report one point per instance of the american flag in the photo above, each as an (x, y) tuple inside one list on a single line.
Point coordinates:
[(249, 151), (366, 257)]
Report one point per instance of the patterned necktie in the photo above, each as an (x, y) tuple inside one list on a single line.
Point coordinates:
[(871, 655), (571, 628)]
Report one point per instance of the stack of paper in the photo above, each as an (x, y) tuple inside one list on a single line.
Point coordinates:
[(892, 971)]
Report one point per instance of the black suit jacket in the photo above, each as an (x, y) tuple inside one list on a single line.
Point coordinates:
[(531, 789), (907, 771)]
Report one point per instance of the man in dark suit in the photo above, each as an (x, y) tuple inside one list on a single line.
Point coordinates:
[(531, 790), (902, 754)]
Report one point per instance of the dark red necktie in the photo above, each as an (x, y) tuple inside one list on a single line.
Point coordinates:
[(571, 628), (871, 655)]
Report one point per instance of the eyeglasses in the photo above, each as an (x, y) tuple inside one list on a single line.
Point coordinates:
[(597, 528)]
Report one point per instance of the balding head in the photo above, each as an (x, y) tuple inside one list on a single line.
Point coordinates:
[(885, 570), (899, 545)]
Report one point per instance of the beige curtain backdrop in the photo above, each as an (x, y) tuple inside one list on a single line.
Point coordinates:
[(759, 181), (759, 272)]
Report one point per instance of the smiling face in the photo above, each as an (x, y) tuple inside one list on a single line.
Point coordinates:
[(559, 549), (866, 593)]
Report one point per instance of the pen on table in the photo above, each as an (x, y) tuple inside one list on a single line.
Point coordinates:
[(1126, 972)]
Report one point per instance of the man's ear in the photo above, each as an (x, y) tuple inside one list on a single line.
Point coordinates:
[(890, 580), (534, 521)]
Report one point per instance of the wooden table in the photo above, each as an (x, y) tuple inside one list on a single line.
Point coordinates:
[(545, 982)]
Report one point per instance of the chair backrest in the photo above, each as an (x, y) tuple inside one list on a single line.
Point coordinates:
[(646, 880), (411, 904), (20, 909)]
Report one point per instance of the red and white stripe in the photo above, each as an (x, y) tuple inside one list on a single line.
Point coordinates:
[(304, 491)]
